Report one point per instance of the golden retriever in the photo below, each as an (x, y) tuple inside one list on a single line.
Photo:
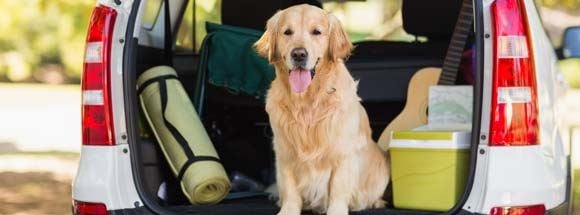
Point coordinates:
[(326, 160)]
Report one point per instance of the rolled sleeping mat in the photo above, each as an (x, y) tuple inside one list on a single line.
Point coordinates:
[(182, 137)]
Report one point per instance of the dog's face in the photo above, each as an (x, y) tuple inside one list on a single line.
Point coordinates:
[(301, 38)]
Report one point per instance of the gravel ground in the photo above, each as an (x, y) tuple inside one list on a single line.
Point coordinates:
[(36, 183)]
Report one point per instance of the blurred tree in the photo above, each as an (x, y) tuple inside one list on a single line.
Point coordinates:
[(42, 35), (569, 6), (205, 11), (43, 40)]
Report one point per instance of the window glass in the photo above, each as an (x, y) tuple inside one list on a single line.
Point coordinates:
[(363, 20), (184, 39), (190, 36), (152, 8), (370, 19), (205, 11)]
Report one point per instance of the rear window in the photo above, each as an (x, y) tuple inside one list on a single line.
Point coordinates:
[(185, 35), (363, 20), (370, 19), (190, 34), (152, 8)]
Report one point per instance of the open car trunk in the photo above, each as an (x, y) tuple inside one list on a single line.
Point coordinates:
[(238, 124)]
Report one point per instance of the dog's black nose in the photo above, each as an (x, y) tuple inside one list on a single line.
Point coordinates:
[(299, 56)]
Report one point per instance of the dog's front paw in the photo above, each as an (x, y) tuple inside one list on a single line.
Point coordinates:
[(337, 210), (289, 211), (379, 204), (273, 194)]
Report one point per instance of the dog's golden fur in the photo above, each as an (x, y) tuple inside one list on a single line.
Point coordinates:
[(325, 158)]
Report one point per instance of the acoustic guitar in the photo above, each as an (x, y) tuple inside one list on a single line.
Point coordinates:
[(414, 113)]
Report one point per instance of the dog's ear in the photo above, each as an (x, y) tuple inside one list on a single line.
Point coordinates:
[(266, 45), (339, 46)]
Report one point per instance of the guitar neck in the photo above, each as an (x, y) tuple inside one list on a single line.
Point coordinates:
[(457, 44)]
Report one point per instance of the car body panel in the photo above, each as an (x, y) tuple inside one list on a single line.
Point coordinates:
[(104, 176), (521, 175)]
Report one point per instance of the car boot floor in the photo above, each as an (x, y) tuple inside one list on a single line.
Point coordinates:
[(263, 206)]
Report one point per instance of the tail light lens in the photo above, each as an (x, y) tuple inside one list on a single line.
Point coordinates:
[(514, 115), (97, 118), (526, 210), (87, 208)]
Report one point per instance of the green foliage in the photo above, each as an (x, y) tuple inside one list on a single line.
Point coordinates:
[(571, 70), (576, 190), (42, 32), (571, 6), (206, 11)]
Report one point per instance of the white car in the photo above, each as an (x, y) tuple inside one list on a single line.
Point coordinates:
[(520, 152)]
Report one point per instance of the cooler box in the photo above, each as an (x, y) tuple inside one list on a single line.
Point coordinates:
[(429, 168)]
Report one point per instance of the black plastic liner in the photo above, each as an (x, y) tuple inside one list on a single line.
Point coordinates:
[(263, 206)]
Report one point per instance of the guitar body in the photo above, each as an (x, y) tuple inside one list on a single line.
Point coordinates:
[(414, 113)]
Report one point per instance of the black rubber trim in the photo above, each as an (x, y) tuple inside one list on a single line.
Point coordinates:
[(570, 177), (146, 211), (131, 118), (168, 34), (149, 203), (570, 182), (477, 97), (463, 212), (131, 211)]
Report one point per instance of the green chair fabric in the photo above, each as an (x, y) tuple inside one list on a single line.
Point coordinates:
[(230, 61)]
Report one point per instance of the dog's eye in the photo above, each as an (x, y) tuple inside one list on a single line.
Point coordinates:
[(288, 32), (315, 32)]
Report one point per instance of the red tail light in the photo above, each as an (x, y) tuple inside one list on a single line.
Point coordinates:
[(527, 210), (97, 118), (514, 114), (87, 208)]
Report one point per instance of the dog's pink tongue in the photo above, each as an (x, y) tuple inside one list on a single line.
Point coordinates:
[(299, 80)]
